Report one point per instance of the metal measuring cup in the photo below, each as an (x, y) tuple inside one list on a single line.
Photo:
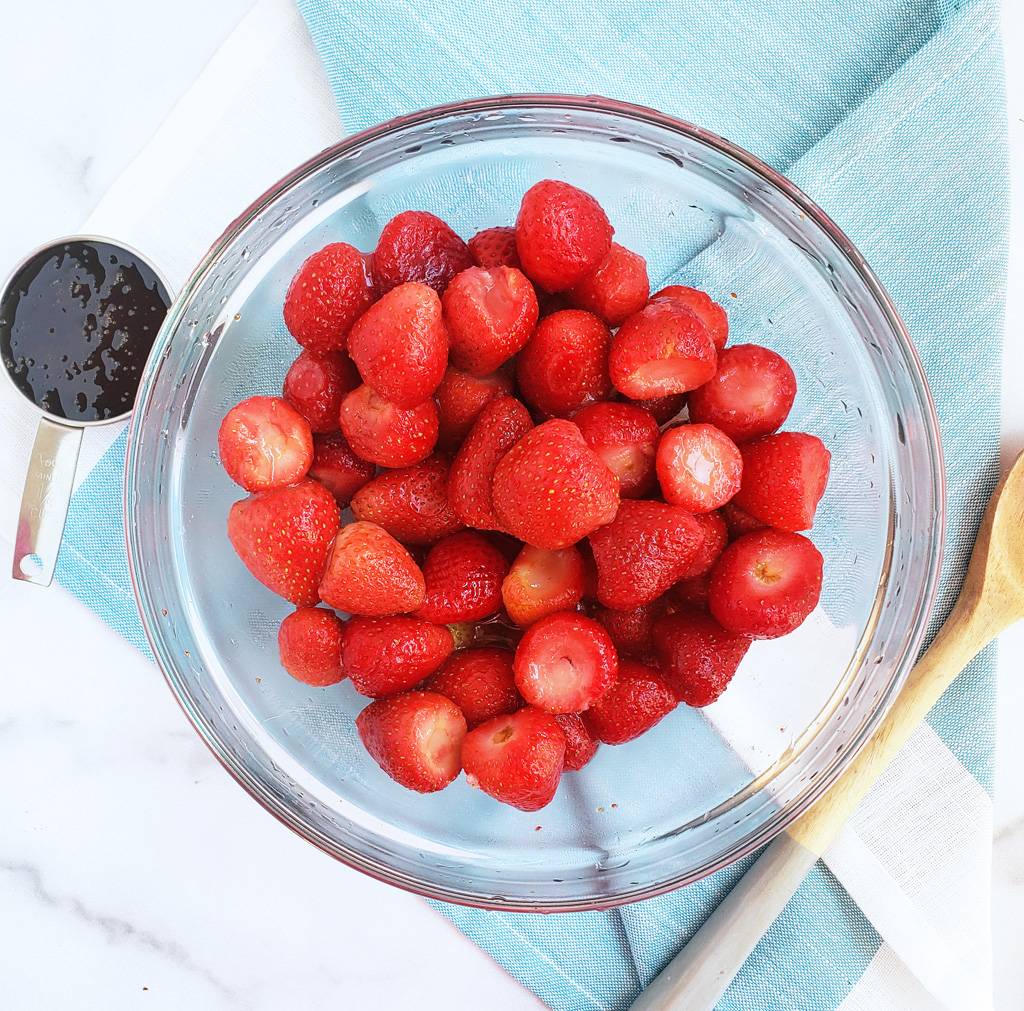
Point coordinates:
[(89, 309)]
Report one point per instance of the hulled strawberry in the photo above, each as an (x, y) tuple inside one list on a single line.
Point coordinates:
[(400, 345), (615, 289), (479, 681), (697, 656), (309, 645), (541, 582), (626, 437), (463, 574), (283, 537), (328, 293), (316, 384), (410, 503), (416, 738), (387, 655), (564, 365), (489, 314), (264, 443), (564, 663), (369, 572), (562, 234), (551, 489), (460, 400), (642, 552), (709, 312), (766, 583), (516, 759), (338, 468), (638, 701), (418, 246), (699, 467), (386, 434)]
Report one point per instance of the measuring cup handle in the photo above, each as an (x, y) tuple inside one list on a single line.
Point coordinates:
[(44, 503)]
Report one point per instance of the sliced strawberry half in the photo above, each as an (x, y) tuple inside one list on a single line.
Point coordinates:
[(490, 314), (479, 681), (386, 434), (387, 655), (416, 738), (766, 583), (626, 437), (516, 759), (309, 645), (784, 477), (264, 443), (697, 656), (638, 701), (541, 582), (463, 573), (661, 350), (699, 467), (564, 663), (283, 537)]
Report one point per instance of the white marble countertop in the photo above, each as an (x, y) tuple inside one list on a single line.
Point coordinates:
[(133, 871)]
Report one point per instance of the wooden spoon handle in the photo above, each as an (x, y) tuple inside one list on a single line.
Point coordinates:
[(698, 976)]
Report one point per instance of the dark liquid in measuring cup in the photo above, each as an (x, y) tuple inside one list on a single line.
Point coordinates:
[(76, 325)]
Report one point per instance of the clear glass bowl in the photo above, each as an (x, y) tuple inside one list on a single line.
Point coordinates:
[(705, 786)]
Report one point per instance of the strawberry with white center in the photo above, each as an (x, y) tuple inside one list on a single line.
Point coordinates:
[(392, 654), (749, 396), (309, 645), (661, 350), (400, 345), (264, 443), (784, 477), (639, 700), (416, 738), (766, 583), (626, 437), (489, 314), (551, 488), (564, 663), (386, 434), (480, 681), (284, 536), (541, 582), (699, 467), (516, 759)]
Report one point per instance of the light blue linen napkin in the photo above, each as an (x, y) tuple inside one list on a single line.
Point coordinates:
[(889, 113)]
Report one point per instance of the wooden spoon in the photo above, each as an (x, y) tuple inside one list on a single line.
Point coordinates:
[(991, 599)]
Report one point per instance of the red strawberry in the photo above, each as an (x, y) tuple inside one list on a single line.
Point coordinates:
[(551, 488), (369, 572), (631, 630), (766, 583), (283, 537), (564, 663), (416, 738), (660, 350), (749, 396), (309, 644), (400, 345), (316, 384), (710, 313), (326, 296), (542, 582), (616, 289), (490, 314), (580, 746), (698, 657), (738, 521), (664, 409), (517, 758), (692, 593), (784, 477), (562, 234), (463, 574), (479, 681), (495, 247), (337, 468), (502, 423), (699, 467), (265, 443), (716, 537), (564, 365), (411, 504), (460, 399), (626, 437), (637, 701), (384, 433), (386, 655), (641, 553), (418, 246)]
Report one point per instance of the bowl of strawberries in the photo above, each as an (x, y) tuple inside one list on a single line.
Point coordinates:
[(534, 502)]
